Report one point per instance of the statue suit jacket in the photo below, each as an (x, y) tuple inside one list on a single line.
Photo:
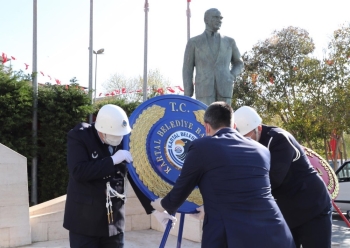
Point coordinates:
[(232, 174), (210, 67)]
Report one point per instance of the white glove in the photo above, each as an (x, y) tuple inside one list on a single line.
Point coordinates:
[(157, 205), (164, 217), (120, 156), (200, 215)]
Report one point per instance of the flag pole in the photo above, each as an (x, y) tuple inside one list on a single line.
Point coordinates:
[(188, 14), (34, 188), (146, 8)]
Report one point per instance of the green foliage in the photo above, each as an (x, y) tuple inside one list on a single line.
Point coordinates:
[(16, 112), (60, 108), (306, 96)]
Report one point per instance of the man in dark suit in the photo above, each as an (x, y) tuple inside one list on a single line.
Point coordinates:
[(232, 175), (94, 212), (212, 54), (299, 191)]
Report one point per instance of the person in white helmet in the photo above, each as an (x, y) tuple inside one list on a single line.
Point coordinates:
[(94, 211), (299, 191)]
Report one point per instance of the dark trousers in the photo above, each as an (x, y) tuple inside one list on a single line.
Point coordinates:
[(317, 232), (82, 241)]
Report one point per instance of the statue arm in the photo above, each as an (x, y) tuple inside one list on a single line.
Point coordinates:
[(188, 68), (236, 61)]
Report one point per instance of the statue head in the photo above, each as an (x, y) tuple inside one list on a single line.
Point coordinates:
[(212, 19)]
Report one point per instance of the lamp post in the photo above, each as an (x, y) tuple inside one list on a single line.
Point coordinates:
[(90, 54), (100, 51)]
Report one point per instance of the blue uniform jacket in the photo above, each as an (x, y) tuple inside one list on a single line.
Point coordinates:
[(299, 191), (232, 174), (90, 166)]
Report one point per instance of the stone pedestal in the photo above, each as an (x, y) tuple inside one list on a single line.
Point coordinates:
[(14, 206)]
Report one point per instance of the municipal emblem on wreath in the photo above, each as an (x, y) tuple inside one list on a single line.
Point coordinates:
[(163, 129)]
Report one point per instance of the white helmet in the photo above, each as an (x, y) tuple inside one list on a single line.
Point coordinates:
[(246, 119), (112, 119)]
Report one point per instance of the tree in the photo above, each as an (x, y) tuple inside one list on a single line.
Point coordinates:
[(131, 89), (73, 80), (60, 108), (286, 84), (16, 100), (338, 73)]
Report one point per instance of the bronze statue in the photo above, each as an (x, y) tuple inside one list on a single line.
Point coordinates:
[(217, 61)]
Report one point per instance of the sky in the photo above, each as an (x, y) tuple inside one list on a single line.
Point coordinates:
[(118, 27)]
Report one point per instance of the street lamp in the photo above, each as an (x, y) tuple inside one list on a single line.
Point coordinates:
[(97, 53)]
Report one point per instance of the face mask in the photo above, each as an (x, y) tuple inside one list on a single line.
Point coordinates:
[(256, 135), (113, 140)]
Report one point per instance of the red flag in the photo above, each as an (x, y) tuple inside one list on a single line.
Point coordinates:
[(138, 91), (112, 93), (58, 81), (100, 94), (4, 58), (42, 73), (13, 58), (123, 90), (179, 88), (170, 89), (26, 65), (160, 91), (107, 94)]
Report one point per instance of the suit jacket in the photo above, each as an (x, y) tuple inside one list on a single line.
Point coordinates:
[(90, 167), (232, 175), (300, 192), (211, 68)]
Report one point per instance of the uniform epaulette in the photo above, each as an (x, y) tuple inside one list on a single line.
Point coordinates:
[(82, 126)]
